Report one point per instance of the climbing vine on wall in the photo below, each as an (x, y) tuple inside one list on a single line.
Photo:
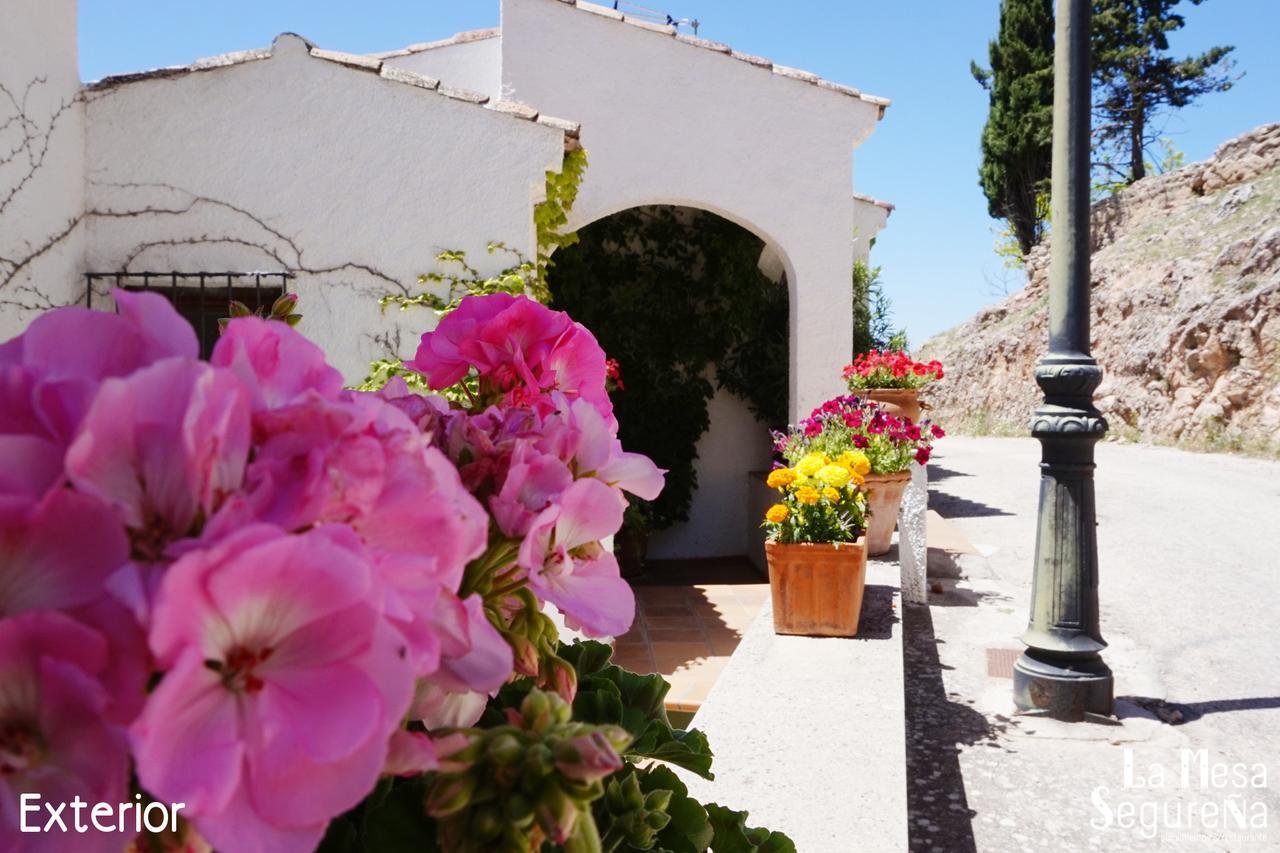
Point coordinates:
[(459, 279), (670, 292)]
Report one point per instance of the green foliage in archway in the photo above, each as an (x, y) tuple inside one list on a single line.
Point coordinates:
[(669, 291)]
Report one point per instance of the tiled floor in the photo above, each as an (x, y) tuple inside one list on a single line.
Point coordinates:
[(687, 632)]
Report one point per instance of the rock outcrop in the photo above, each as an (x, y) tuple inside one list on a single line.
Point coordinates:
[(1186, 313)]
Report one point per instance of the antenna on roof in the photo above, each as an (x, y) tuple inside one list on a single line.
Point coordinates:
[(653, 16)]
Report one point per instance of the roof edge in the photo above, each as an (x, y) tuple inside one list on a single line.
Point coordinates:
[(357, 62), (881, 203), (797, 74), (464, 37)]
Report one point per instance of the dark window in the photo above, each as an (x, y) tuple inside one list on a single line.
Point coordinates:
[(200, 297)]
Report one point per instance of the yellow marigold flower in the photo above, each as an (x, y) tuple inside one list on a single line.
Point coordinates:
[(807, 495), (777, 513), (834, 475), (831, 494), (858, 462), (810, 465), (857, 479), (780, 478)]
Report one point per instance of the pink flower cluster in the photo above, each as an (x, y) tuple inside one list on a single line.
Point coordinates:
[(238, 580)]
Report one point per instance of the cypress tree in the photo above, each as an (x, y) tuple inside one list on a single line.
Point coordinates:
[(1017, 139)]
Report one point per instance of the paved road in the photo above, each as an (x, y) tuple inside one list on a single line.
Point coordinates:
[(1190, 589)]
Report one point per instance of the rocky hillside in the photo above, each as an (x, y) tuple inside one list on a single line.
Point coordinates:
[(1186, 322)]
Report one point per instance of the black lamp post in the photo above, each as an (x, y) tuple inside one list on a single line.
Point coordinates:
[(1061, 672)]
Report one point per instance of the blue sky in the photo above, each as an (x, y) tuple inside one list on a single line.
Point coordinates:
[(936, 254)]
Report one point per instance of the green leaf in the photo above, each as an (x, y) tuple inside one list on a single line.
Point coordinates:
[(687, 749), (586, 656), (732, 835), (690, 830), (399, 824)]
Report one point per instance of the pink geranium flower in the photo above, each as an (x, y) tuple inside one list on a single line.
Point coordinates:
[(284, 685), (521, 351), (275, 361), (164, 446), (568, 567), (57, 553), (358, 460), (55, 740), (581, 435)]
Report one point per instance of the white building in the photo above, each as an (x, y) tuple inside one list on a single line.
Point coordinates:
[(352, 172)]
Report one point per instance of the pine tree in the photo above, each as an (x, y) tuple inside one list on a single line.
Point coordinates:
[(1017, 139), (1136, 80)]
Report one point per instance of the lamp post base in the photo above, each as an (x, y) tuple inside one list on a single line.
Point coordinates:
[(1064, 689)]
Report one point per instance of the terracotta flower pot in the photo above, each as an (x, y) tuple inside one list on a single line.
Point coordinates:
[(884, 497), (902, 402), (817, 588)]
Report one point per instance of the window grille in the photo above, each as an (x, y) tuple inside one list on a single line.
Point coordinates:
[(202, 298)]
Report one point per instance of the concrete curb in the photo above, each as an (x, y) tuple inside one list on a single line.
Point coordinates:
[(809, 732)]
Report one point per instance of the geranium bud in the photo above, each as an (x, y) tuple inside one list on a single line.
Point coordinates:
[(487, 823), (556, 813), (658, 800), (541, 710), (525, 655), (239, 309), (450, 795), (587, 757), (518, 810), (563, 678), (538, 763), (505, 749), (284, 305)]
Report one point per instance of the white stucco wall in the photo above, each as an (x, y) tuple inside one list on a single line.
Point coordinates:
[(41, 161), (667, 122), (474, 63), (719, 522), (295, 162)]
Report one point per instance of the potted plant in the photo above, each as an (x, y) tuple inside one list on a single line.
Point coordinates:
[(889, 442), (631, 543), (815, 549), (891, 379)]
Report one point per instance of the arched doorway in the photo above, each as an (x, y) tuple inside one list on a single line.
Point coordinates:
[(695, 310)]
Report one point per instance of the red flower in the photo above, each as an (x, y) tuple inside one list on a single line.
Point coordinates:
[(922, 455)]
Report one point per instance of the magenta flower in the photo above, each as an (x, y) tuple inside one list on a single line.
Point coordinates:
[(68, 351), (521, 351), (57, 553), (55, 740), (275, 361), (440, 356), (164, 446), (284, 685), (568, 567)]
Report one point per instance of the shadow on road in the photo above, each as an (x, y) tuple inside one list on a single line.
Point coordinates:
[(1177, 713), (937, 473), (938, 812), (950, 506)]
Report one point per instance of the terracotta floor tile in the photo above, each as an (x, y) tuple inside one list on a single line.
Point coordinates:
[(683, 634)]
